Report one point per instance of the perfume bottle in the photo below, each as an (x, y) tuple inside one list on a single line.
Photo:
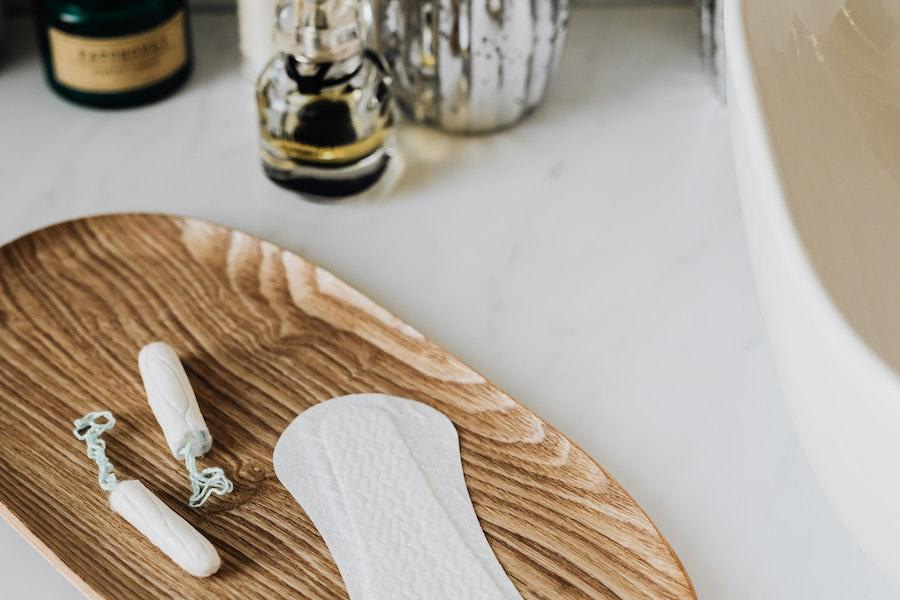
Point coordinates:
[(326, 114), (114, 53)]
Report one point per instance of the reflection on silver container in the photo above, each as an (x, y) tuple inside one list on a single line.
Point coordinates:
[(712, 38), (471, 66)]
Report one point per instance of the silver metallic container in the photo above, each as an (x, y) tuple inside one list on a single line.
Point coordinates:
[(470, 66)]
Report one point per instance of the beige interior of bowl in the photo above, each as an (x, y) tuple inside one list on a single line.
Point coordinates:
[(829, 77)]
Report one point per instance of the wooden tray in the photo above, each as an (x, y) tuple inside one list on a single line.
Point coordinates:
[(263, 335)]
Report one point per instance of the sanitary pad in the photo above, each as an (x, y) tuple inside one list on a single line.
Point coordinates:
[(382, 480)]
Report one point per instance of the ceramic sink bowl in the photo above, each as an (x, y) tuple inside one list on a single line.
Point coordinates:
[(814, 95)]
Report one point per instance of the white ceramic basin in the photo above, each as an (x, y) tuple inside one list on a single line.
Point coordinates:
[(814, 94)]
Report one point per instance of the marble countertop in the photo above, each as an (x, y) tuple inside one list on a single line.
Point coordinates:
[(591, 262)]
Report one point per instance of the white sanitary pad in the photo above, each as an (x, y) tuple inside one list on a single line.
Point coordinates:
[(382, 480)]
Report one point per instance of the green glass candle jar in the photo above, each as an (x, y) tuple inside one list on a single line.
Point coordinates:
[(115, 53)]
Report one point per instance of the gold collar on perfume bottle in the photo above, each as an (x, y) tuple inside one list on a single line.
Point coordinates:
[(328, 155)]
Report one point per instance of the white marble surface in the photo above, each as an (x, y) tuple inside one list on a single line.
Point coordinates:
[(591, 262)]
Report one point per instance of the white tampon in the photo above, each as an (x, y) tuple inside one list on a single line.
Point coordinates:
[(165, 528), (136, 504), (174, 405), (172, 400)]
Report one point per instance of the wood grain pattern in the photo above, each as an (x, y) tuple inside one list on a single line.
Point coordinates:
[(264, 335)]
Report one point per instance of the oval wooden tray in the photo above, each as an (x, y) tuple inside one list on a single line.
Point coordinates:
[(263, 335)]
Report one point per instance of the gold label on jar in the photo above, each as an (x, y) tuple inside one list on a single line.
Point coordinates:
[(119, 64)]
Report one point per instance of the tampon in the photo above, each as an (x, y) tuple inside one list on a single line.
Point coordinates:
[(164, 528), (174, 405), (136, 504), (172, 400)]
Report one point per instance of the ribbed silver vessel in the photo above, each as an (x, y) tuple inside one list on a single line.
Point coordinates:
[(471, 66)]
